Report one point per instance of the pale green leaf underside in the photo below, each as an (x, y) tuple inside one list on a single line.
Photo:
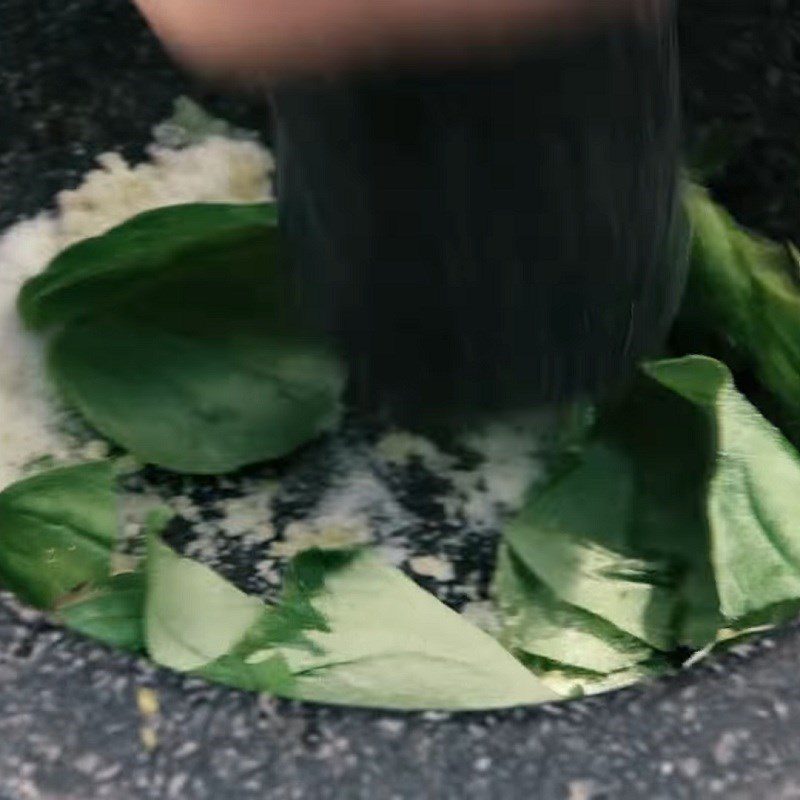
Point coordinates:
[(382, 624), (538, 624), (192, 615), (560, 537), (678, 520), (753, 496), (387, 644)]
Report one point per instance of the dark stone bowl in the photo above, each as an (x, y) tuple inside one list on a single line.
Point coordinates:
[(81, 77)]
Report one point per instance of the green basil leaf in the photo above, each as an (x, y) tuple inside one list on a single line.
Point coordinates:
[(111, 611), (575, 683), (712, 148), (177, 339), (355, 632), (381, 624), (684, 472), (743, 304), (621, 533), (753, 493), (669, 448), (193, 403), (569, 534), (57, 531), (192, 615), (96, 274), (537, 624)]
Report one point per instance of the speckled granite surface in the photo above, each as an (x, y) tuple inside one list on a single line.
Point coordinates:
[(70, 730), (80, 77)]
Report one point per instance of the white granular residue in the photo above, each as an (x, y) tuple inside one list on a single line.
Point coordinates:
[(357, 493), (217, 170), (249, 515), (511, 461), (31, 417), (323, 534), (432, 567), (398, 447), (512, 453), (134, 509)]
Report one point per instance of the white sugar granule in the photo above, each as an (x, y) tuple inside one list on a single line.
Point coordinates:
[(357, 492), (216, 170), (184, 507), (30, 418), (511, 461), (392, 554), (323, 534), (512, 455), (249, 515), (432, 567), (399, 447)]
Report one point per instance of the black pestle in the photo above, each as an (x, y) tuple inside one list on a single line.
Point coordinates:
[(490, 236)]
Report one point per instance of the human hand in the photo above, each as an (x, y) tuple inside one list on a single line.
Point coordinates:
[(273, 37)]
